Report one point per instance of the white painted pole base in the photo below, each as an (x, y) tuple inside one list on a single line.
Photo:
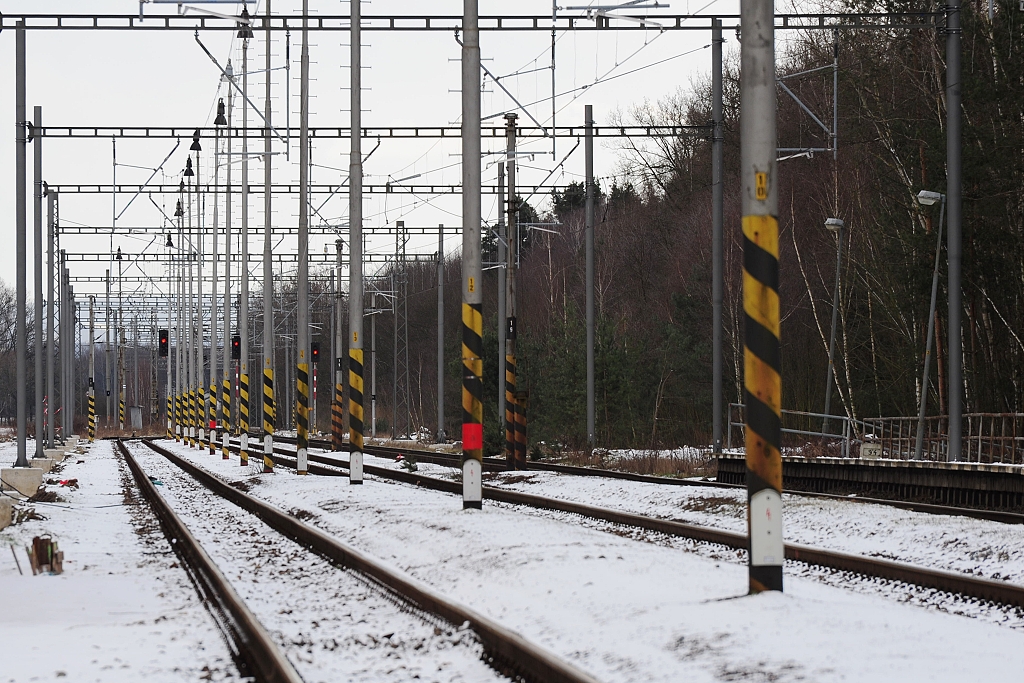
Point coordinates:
[(243, 446), (766, 547), (302, 461), (355, 467), (268, 445), (472, 484), (226, 442)]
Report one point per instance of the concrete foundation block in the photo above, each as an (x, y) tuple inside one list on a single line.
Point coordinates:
[(72, 441), (6, 512), (45, 464), (24, 480), (56, 454)]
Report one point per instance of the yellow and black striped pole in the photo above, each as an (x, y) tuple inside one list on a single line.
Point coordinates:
[(761, 357), (243, 418), (302, 415), (201, 415), (92, 416), (337, 412), (268, 420), (170, 417), (355, 404), (177, 417), (213, 416), (510, 410), (520, 432), (191, 418), (225, 416), (120, 411), (472, 290)]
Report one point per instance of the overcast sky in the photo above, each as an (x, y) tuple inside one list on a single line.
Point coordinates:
[(105, 78)]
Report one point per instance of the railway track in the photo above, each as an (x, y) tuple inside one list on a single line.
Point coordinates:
[(505, 652), (996, 592), (498, 465)]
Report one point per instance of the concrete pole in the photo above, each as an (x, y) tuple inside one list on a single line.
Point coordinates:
[(954, 248), (337, 414), (919, 442), (512, 406), (21, 211), (830, 377), (502, 283), (225, 379), (373, 375), (440, 334), (92, 367), (472, 293), (178, 323), (589, 238), (355, 251), (763, 384), (302, 305), (214, 403), (200, 349), (51, 342), (107, 365), (717, 235), (37, 258), (243, 273), (190, 326), (269, 410)]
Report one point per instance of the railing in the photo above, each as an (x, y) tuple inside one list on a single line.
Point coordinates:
[(988, 438), (839, 443)]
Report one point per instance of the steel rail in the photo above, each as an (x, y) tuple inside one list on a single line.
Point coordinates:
[(1003, 593), (498, 465), (504, 646), (252, 642)]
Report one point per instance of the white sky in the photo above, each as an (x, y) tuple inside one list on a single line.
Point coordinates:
[(164, 79)]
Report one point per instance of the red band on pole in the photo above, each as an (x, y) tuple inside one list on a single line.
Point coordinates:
[(472, 436)]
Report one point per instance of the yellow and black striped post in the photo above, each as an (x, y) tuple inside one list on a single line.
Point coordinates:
[(337, 411), (92, 417), (225, 417), (243, 418), (355, 405), (213, 418), (520, 432), (510, 411), (191, 418), (120, 411), (302, 416), (472, 406), (268, 420), (201, 416), (170, 417), (177, 418), (761, 354)]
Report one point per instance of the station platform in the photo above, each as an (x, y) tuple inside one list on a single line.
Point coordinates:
[(990, 487)]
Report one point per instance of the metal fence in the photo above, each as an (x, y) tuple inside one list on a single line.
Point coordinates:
[(988, 438), (841, 439)]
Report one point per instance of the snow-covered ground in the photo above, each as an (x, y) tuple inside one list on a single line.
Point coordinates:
[(629, 610), (122, 610), (332, 624), (972, 546)]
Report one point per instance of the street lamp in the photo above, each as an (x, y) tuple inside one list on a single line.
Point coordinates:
[(833, 225), (927, 198)]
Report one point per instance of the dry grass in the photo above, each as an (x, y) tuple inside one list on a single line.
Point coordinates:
[(648, 462)]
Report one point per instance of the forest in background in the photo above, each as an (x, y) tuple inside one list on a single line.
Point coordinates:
[(653, 255)]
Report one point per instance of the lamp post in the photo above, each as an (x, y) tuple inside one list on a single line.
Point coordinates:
[(835, 225), (927, 198)]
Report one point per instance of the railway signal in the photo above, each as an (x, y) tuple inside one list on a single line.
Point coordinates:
[(165, 344)]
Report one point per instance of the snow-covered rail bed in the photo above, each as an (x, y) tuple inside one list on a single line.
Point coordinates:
[(331, 623), (976, 547), (627, 610)]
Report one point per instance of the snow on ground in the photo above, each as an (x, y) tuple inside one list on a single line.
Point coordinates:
[(972, 546), (627, 610), (122, 610), (331, 623)]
